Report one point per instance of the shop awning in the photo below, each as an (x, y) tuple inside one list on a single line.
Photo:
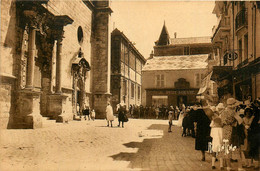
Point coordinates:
[(221, 72), (205, 84)]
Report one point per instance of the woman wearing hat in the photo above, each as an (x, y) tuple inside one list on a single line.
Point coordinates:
[(122, 114), (231, 121), (202, 119)]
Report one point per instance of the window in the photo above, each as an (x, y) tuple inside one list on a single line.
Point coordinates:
[(132, 60), (160, 80), (197, 79), (138, 66), (126, 55), (240, 50), (187, 50), (245, 47), (139, 92), (122, 52), (132, 90)]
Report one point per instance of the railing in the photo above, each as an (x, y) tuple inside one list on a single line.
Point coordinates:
[(241, 19)]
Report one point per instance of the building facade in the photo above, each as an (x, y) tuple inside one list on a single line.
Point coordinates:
[(236, 41), (126, 66), (174, 73), (51, 55)]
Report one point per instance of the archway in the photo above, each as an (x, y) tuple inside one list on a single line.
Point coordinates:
[(80, 66)]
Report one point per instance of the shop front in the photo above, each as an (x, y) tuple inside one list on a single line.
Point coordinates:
[(167, 97)]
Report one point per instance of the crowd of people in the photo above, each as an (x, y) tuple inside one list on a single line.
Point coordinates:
[(151, 112), (230, 131)]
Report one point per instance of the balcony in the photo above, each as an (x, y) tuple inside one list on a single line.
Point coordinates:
[(221, 30), (241, 19)]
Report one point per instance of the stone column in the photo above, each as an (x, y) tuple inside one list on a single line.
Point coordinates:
[(57, 101), (30, 61), (58, 66)]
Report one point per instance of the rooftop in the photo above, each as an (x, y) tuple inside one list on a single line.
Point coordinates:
[(190, 40), (176, 62)]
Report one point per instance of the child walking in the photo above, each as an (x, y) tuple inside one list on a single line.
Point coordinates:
[(217, 136)]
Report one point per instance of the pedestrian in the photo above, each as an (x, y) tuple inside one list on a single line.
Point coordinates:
[(230, 133), (254, 134), (216, 133), (131, 110), (202, 128), (93, 114), (157, 110), (170, 117), (109, 115), (185, 123), (86, 112), (247, 120), (122, 115), (180, 119)]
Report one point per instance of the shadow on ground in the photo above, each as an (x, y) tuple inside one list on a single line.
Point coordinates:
[(170, 152)]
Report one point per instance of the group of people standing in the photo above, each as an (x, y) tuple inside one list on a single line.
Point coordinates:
[(122, 114), (86, 112), (230, 132)]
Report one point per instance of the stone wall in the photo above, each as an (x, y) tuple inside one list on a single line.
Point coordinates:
[(82, 16)]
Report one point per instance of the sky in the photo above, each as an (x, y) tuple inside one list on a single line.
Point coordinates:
[(142, 21)]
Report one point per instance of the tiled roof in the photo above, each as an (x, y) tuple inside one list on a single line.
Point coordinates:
[(176, 62), (190, 40)]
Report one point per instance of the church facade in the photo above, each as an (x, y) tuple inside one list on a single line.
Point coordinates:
[(51, 55), (174, 73)]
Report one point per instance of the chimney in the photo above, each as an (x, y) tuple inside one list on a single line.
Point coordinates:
[(175, 35)]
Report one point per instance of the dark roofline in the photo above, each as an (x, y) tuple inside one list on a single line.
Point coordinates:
[(118, 32)]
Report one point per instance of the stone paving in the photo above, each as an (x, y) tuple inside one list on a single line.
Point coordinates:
[(90, 145)]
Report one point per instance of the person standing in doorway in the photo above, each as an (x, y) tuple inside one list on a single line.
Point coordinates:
[(109, 115)]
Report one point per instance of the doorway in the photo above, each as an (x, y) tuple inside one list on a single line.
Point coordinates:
[(181, 100)]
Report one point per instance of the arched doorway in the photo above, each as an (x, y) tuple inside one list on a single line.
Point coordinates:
[(80, 66)]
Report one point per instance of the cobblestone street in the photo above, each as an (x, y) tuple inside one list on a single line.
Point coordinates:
[(90, 145)]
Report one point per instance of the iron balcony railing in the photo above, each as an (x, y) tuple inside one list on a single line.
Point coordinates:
[(241, 19)]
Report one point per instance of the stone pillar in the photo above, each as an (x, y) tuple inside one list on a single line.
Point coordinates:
[(58, 66), (57, 101), (31, 56), (28, 99), (101, 58)]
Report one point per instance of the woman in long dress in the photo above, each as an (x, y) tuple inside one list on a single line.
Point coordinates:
[(109, 115), (181, 116)]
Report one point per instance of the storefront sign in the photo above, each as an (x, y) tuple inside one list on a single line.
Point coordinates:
[(175, 92)]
